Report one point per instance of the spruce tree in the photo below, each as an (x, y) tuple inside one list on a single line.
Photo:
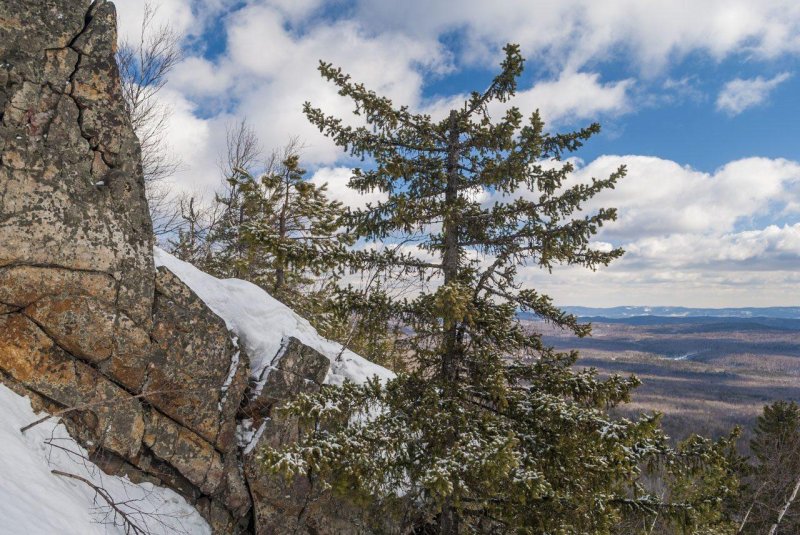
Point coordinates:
[(230, 255), (292, 226), (771, 495), (360, 318), (490, 430)]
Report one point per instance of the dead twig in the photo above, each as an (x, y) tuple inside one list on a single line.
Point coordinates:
[(129, 524)]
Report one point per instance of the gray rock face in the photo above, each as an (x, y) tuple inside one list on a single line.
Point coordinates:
[(296, 369), (200, 376), (71, 188)]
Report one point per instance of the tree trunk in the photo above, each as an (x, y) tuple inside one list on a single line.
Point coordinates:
[(785, 508), (450, 254), (238, 270), (750, 509), (448, 520), (280, 260)]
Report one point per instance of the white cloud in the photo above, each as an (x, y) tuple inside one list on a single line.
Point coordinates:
[(747, 268), (337, 179), (194, 141), (575, 32), (691, 238), (198, 77), (295, 9), (569, 97), (740, 94), (769, 248), (174, 13), (661, 197), (268, 70), (686, 88), (273, 46), (618, 286), (575, 95), (266, 74), (272, 71)]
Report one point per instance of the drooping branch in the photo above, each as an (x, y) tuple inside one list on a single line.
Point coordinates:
[(129, 525)]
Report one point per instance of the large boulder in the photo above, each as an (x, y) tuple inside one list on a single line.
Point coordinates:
[(142, 372), (76, 236), (76, 267), (149, 381)]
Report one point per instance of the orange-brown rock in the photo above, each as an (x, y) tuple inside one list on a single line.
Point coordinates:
[(110, 416), (203, 376), (82, 326)]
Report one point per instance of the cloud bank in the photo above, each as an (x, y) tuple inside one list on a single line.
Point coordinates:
[(725, 237)]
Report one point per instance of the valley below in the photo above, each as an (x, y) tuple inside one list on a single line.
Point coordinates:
[(704, 374)]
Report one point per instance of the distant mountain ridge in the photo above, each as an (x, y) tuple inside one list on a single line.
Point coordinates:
[(623, 312)]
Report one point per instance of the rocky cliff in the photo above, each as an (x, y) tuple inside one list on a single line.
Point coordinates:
[(146, 377)]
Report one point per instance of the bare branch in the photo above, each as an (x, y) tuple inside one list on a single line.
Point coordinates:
[(242, 149), (785, 508), (144, 67), (128, 523)]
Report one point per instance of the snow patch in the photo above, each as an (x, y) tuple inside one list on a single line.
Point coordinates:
[(232, 369), (262, 323), (34, 500), (254, 437), (244, 432)]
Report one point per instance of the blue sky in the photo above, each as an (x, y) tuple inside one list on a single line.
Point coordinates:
[(699, 99)]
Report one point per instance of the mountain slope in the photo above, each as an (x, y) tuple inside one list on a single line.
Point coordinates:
[(678, 312)]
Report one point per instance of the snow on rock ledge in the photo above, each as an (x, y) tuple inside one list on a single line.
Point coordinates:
[(34, 500), (262, 323)]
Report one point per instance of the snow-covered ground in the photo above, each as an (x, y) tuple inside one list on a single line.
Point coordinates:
[(35, 501), (261, 323)]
